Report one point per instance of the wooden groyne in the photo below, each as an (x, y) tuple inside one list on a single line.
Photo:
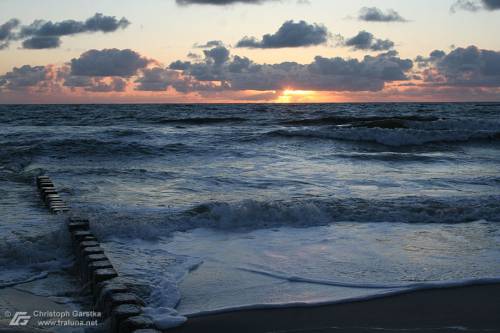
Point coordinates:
[(110, 295)]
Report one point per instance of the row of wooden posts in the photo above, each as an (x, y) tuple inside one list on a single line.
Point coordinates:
[(119, 306)]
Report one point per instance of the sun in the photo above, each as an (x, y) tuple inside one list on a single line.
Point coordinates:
[(296, 96)]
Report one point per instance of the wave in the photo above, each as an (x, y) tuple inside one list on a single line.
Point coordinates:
[(24, 151), (150, 223), (126, 132), (29, 258), (201, 120), (393, 131), (391, 137), (392, 157), (114, 172), (371, 296), (390, 122), (33, 250), (413, 286)]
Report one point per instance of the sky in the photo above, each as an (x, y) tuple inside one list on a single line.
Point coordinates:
[(223, 51)]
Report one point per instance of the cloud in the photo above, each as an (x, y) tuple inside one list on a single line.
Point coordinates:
[(42, 42), (105, 24), (365, 40), (90, 83), (97, 23), (108, 62), (115, 84), (461, 74), (433, 57), (156, 79), (180, 65), (209, 44), (458, 74), (469, 66), (236, 73), (218, 2), (475, 5), (218, 55), (370, 74), (160, 79), (491, 4), (373, 14), (6, 32), (46, 34), (471, 6), (24, 77), (290, 34), (76, 81)]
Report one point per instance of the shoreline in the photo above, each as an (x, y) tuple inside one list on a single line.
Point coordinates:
[(397, 290), (446, 309)]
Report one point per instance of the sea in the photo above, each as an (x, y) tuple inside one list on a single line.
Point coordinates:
[(211, 208)]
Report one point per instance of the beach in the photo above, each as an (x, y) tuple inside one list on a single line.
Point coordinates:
[(215, 208), (457, 309), (249, 166)]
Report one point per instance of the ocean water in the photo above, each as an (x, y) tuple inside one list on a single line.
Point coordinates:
[(206, 208)]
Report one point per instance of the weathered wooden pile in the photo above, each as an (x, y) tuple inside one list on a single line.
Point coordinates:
[(111, 296)]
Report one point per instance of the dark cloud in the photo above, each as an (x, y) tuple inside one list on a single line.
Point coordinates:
[(24, 77), (437, 54), (365, 40), (210, 69), (42, 42), (209, 44), (290, 34), (237, 73), (218, 2), (156, 79), (102, 23), (108, 62), (469, 66), (192, 55), (471, 6), (491, 4), (373, 14), (115, 85), (90, 83), (369, 74), (218, 55), (160, 79), (6, 29), (475, 5), (46, 34), (6, 32), (97, 23), (239, 64), (433, 57), (75, 81), (180, 65)]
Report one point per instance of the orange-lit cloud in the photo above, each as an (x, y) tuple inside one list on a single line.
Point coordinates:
[(222, 78)]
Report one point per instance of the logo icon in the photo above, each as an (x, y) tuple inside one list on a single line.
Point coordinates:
[(20, 319)]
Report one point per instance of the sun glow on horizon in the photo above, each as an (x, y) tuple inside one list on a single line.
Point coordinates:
[(296, 96)]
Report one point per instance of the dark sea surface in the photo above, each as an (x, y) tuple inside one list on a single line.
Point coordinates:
[(212, 207)]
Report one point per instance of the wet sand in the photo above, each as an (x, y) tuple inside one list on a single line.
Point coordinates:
[(13, 300), (475, 308)]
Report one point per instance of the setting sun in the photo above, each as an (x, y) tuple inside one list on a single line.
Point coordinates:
[(296, 96)]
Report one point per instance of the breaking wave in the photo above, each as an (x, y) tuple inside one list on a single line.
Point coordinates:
[(395, 131), (250, 214), (391, 137)]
